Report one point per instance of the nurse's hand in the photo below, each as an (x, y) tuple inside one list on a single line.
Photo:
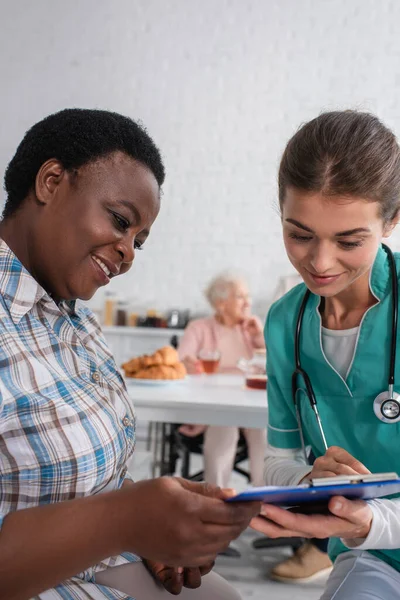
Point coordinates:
[(350, 519), (175, 578), (336, 461)]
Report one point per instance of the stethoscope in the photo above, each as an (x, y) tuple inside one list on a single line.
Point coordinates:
[(386, 404)]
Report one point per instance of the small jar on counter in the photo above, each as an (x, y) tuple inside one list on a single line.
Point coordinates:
[(109, 309), (132, 319), (154, 318), (121, 318)]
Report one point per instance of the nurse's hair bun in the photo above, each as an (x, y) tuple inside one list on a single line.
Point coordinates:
[(344, 153)]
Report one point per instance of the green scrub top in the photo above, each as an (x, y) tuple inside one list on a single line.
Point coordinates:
[(345, 406)]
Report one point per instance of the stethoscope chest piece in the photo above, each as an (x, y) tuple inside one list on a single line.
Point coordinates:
[(387, 407)]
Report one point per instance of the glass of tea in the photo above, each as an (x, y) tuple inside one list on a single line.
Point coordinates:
[(256, 372), (256, 382), (209, 360)]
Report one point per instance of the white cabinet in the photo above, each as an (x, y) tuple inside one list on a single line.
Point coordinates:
[(127, 342)]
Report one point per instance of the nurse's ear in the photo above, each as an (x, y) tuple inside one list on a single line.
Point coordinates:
[(390, 225)]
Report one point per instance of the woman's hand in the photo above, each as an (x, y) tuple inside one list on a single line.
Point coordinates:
[(177, 522), (253, 326), (336, 461), (192, 430), (193, 365), (350, 519), (174, 578)]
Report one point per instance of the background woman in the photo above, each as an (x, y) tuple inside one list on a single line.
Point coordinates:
[(235, 333)]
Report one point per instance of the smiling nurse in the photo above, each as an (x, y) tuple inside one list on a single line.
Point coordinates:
[(339, 189)]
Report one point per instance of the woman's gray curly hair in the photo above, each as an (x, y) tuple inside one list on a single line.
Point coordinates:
[(221, 286)]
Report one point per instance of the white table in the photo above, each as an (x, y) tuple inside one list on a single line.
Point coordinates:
[(203, 399)]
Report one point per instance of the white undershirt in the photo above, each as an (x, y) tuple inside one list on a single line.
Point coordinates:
[(287, 466), (338, 346)]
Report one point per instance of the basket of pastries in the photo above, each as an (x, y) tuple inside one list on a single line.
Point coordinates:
[(163, 364)]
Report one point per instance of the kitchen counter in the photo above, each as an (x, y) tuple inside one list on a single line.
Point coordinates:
[(145, 331), (127, 342)]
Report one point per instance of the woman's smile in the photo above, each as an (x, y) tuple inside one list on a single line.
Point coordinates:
[(102, 273), (323, 280)]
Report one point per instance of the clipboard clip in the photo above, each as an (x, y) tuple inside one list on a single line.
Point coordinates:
[(348, 479)]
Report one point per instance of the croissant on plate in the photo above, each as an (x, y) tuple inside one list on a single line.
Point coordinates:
[(176, 371), (163, 364), (164, 356)]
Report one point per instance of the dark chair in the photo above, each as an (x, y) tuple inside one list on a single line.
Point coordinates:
[(174, 341)]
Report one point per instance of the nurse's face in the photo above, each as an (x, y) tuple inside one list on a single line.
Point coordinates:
[(331, 242)]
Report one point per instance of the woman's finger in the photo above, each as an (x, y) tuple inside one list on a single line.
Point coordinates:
[(340, 455), (174, 584), (272, 530), (319, 474), (317, 525), (204, 569), (192, 577), (171, 578), (330, 464), (342, 469), (356, 511)]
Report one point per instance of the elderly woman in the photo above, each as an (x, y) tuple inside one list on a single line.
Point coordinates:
[(83, 191), (235, 333)]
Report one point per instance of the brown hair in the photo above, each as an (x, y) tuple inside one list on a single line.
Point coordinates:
[(344, 153)]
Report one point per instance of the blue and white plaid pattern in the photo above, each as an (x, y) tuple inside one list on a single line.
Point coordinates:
[(66, 423)]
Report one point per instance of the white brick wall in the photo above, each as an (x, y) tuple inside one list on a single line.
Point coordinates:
[(221, 85)]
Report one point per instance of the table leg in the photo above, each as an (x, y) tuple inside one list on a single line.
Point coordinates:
[(168, 450), (172, 451), (163, 470), (156, 445), (149, 436)]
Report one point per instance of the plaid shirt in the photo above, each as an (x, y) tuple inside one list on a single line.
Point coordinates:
[(66, 423)]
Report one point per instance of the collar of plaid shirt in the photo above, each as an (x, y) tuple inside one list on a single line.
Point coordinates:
[(20, 290), (67, 427)]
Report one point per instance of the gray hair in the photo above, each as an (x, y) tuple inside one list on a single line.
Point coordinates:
[(221, 286)]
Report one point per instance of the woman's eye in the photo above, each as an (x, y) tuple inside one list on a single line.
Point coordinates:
[(299, 238), (121, 223), (138, 245), (350, 245)]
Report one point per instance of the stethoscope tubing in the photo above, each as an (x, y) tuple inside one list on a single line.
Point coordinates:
[(299, 371)]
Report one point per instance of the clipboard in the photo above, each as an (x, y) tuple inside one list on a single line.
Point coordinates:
[(313, 497)]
